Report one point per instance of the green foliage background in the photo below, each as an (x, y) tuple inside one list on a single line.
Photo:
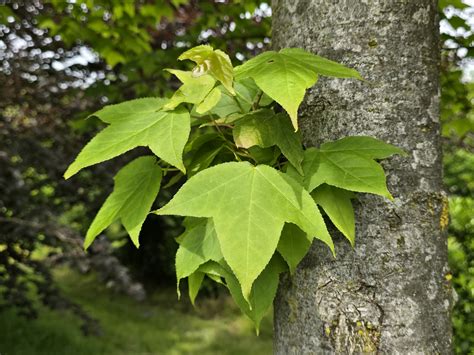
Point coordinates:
[(457, 117)]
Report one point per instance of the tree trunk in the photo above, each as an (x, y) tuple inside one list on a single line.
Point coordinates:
[(391, 294)]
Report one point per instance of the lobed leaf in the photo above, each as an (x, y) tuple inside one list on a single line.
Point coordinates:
[(194, 89), (293, 245), (135, 189), (209, 101), (321, 65), (164, 132), (338, 206), (347, 163), (346, 170), (198, 244), (128, 110), (249, 206), (285, 75), (213, 62), (368, 147), (263, 290)]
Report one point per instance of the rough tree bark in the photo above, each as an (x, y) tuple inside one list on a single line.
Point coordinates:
[(392, 293)]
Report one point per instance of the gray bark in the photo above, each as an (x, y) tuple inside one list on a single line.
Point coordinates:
[(391, 294)]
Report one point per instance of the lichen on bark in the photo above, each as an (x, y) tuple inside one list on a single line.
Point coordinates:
[(390, 294)]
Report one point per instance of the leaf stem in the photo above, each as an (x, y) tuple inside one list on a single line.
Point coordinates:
[(169, 169), (233, 152), (247, 155), (218, 129), (238, 103), (257, 100)]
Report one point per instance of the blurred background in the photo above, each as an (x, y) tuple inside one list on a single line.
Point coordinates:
[(62, 60)]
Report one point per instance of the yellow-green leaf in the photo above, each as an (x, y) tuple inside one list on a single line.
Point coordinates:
[(164, 132), (285, 75), (347, 163), (213, 62), (194, 89), (338, 206), (369, 147), (263, 290), (194, 284), (198, 244), (249, 206), (345, 170), (129, 110), (135, 189), (209, 101), (293, 245)]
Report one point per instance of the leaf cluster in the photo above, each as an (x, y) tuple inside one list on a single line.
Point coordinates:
[(254, 198)]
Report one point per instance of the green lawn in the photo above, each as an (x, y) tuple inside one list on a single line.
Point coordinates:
[(160, 325)]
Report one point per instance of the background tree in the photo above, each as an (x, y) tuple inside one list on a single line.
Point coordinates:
[(392, 292)]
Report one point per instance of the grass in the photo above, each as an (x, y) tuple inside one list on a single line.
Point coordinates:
[(160, 325)]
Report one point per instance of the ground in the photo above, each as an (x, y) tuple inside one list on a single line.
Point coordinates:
[(160, 325)]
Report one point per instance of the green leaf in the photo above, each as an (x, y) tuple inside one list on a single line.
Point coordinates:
[(366, 146), (204, 156), (320, 65), (6, 12), (458, 127), (200, 140), (198, 244), (112, 57), (164, 132), (442, 4), (263, 290), (249, 206), (246, 92), (194, 89), (227, 106), (338, 206), (209, 101), (194, 284), (458, 22), (285, 75), (129, 110), (267, 156), (348, 164), (213, 62), (293, 245), (201, 151), (266, 129), (346, 170), (135, 189), (174, 180)]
